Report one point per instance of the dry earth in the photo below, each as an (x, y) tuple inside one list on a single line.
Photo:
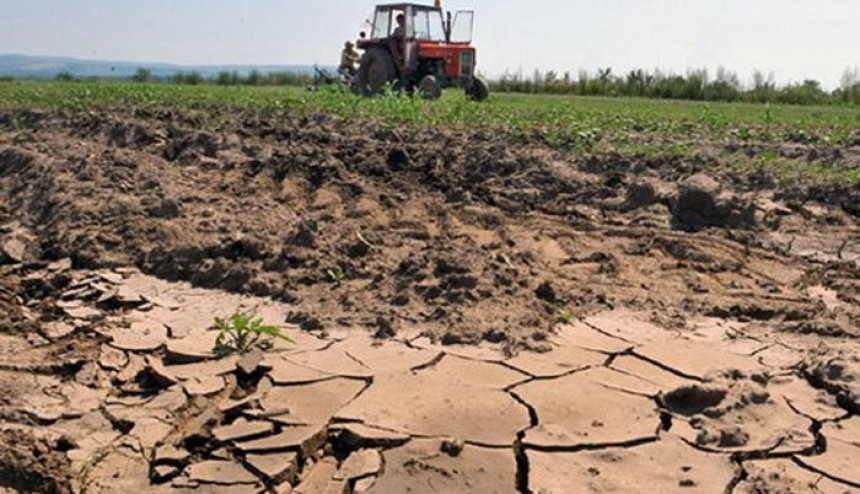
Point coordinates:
[(468, 316)]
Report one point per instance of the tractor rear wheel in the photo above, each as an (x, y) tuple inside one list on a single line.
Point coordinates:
[(376, 70), (429, 87), (478, 89)]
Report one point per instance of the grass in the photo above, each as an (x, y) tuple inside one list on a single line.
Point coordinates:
[(629, 126)]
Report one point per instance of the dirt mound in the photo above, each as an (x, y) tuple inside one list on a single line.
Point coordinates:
[(838, 372), (360, 225), (785, 477), (32, 465), (846, 196), (702, 202), (18, 245), (690, 400), (744, 415)]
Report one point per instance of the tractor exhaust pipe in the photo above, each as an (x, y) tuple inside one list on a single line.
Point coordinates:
[(448, 28), (438, 5)]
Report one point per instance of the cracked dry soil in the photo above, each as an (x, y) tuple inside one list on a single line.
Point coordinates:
[(469, 316)]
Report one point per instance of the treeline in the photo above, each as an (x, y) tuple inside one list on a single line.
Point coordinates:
[(696, 85), (230, 78), (226, 78)]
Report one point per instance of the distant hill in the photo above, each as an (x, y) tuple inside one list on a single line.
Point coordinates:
[(37, 67)]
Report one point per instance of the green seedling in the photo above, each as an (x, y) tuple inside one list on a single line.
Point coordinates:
[(745, 133), (336, 274), (768, 120), (563, 317), (768, 156), (241, 333)]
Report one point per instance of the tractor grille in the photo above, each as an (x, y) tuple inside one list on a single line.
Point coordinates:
[(467, 64)]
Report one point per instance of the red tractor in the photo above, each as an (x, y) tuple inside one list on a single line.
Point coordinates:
[(419, 47)]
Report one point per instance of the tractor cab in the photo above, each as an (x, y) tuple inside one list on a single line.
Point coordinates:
[(423, 23), (429, 51)]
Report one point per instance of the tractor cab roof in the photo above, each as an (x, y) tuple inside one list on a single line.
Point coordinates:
[(402, 6)]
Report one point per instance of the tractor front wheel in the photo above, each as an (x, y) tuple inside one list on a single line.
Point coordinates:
[(429, 87), (376, 70), (478, 89)]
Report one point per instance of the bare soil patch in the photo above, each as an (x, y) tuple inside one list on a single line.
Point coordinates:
[(441, 286)]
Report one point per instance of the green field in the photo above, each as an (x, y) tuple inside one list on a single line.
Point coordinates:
[(628, 126)]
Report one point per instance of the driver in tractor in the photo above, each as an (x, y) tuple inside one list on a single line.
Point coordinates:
[(397, 41), (348, 58)]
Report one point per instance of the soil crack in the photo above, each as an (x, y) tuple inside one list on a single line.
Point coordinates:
[(666, 367), (741, 474), (520, 455), (825, 474)]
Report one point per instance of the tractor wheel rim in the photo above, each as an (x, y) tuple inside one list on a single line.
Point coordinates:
[(427, 88)]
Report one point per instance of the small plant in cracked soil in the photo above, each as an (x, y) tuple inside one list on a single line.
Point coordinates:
[(242, 332), (336, 275), (563, 317)]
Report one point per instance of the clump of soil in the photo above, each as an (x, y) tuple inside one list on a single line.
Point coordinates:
[(33, 465), (838, 373), (733, 412), (702, 202), (693, 399)]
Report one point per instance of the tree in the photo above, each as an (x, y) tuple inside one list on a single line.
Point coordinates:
[(227, 78), (851, 77), (192, 78), (142, 75), (254, 78)]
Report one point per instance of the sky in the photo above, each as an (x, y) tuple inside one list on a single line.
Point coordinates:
[(794, 39)]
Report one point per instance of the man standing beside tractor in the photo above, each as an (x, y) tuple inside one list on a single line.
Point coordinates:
[(348, 58)]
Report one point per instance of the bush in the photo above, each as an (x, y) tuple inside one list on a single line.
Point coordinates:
[(254, 78), (226, 78), (192, 78)]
